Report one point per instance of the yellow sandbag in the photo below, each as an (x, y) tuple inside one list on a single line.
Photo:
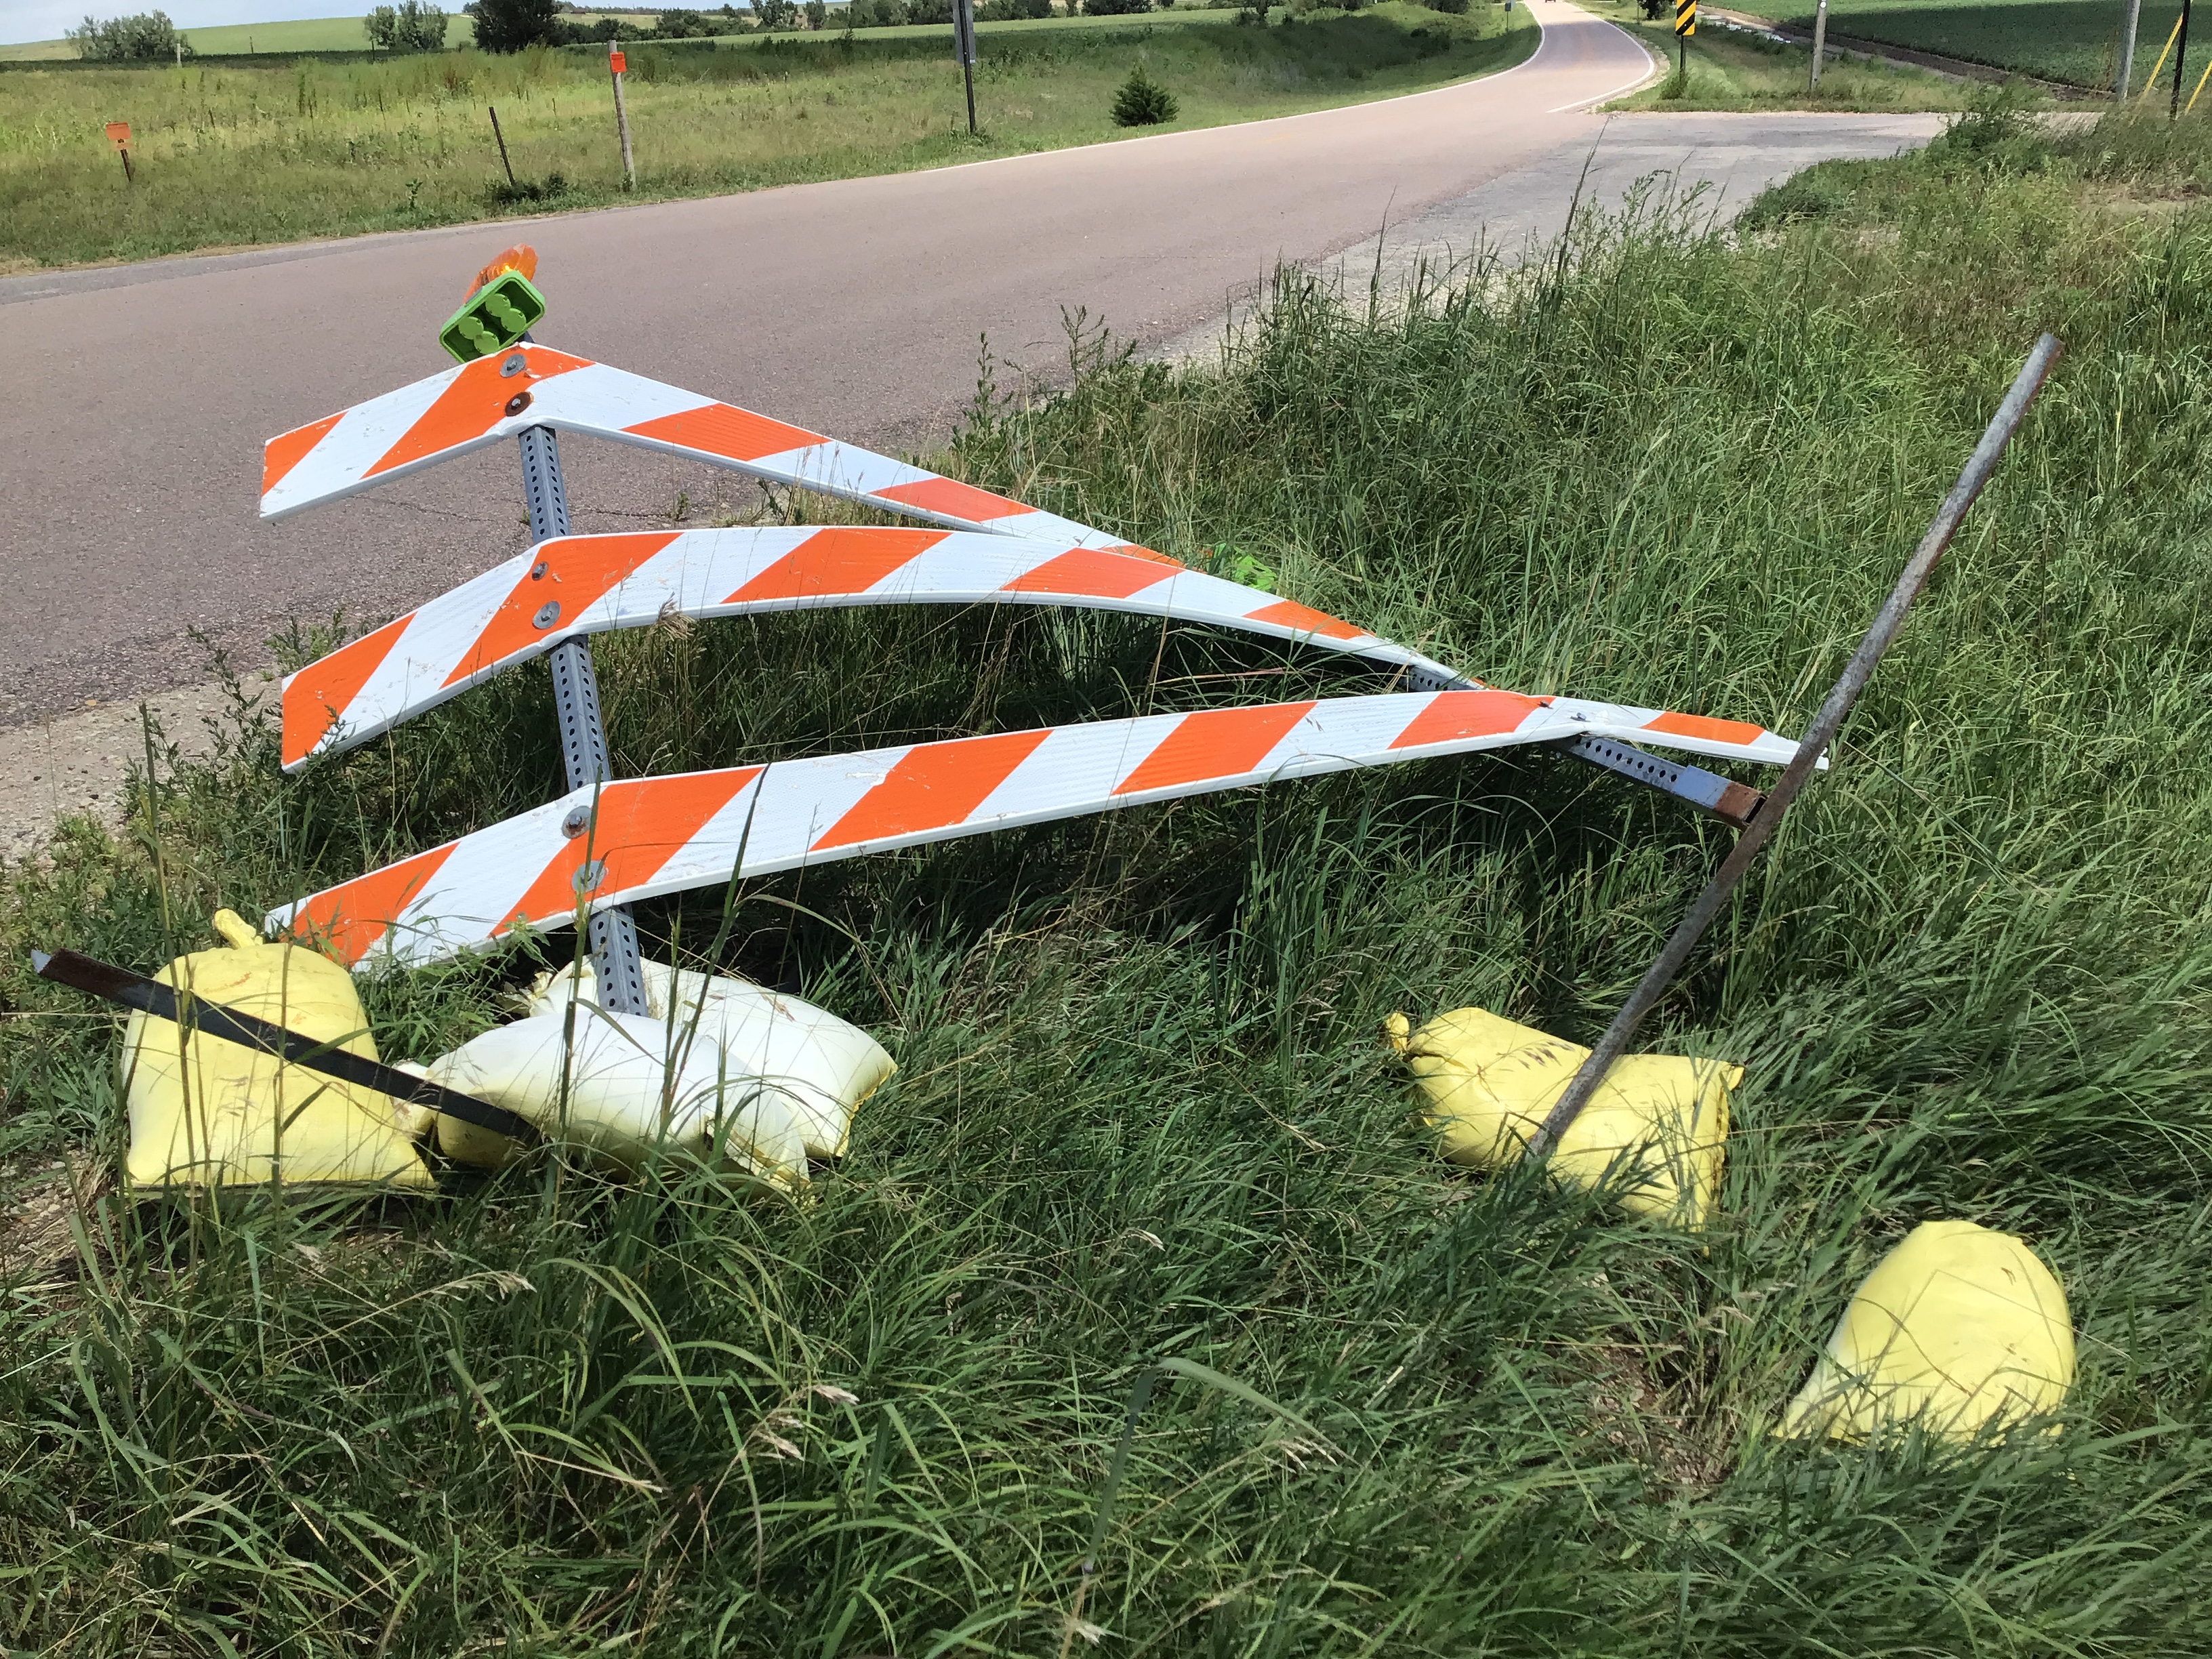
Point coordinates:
[(1956, 1325), (236, 1115), (1491, 1083)]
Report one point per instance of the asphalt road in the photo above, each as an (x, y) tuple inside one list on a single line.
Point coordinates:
[(139, 396)]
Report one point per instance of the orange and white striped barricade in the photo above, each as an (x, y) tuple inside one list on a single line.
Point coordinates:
[(529, 385), (630, 840), (576, 585)]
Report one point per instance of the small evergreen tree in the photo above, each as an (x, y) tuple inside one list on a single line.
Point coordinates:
[(1142, 101)]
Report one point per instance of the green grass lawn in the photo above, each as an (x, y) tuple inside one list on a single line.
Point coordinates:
[(2070, 40), (1144, 1112), (1737, 70), (235, 154)]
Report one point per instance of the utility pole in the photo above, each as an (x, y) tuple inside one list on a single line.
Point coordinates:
[(617, 60), (2127, 53), (1820, 40)]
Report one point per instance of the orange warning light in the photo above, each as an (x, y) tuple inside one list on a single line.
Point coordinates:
[(118, 134), (521, 257)]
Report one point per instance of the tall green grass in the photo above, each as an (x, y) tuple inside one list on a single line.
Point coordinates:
[(1144, 1115), (246, 153)]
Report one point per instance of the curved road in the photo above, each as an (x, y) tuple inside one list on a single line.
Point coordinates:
[(139, 395)]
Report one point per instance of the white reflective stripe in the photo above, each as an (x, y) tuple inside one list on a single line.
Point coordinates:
[(601, 397), (438, 637), (339, 462), (837, 469), (474, 891)]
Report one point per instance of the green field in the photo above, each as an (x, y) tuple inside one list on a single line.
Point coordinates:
[(2070, 40), (1143, 1113), (1736, 69), (235, 154)]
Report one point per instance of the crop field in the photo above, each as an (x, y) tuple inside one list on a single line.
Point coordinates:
[(1144, 1116), (235, 154), (2070, 40)]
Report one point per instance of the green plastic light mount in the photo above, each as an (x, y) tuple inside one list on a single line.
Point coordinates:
[(496, 315)]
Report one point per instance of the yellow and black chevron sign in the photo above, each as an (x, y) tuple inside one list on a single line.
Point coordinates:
[(1686, 17)]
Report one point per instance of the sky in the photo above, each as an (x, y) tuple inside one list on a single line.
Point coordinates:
[(44, 20)]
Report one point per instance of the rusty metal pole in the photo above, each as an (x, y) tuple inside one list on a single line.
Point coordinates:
[(1818, 736), (501, 136), (617, 60)]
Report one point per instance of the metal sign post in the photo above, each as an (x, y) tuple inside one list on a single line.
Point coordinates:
[(613, 935), (2128, 52), (963, 41), (118, 134), (1685, 25)]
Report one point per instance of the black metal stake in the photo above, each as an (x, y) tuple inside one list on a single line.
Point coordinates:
[(2180, 56), (213, 1019), (963, 47), (1818, 736), (501, 136)]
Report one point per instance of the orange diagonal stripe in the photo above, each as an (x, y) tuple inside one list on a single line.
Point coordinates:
[(840, 560), (1288, 613), (317, 697), (579, 570), (954, 500), (642, 825), (474, 403), (724, 429), (348, 920), (1452, 715), (935, 785), (1094, 574), (283, 452), (1712, 730), (1218, 742)]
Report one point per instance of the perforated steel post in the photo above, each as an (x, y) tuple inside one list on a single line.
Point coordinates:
[(613, 935)]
